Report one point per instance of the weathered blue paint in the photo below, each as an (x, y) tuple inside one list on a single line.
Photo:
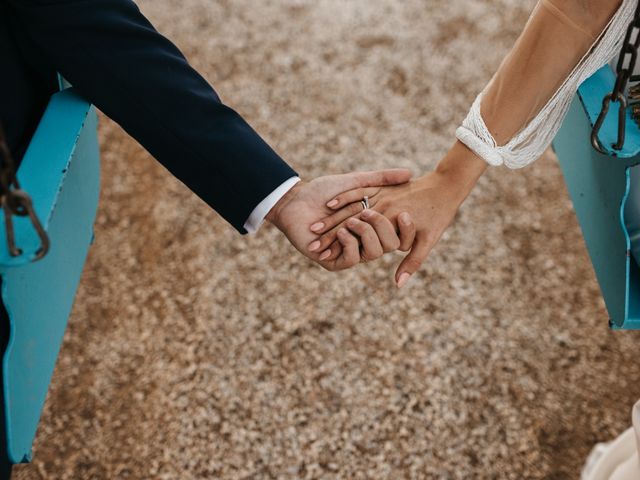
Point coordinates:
[(61, 173), (599, 185)]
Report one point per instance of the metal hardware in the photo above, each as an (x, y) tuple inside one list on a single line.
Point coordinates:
[(622, 119), (634, 92), (15, 201), (624, 73)]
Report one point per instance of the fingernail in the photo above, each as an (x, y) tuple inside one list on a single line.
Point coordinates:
[(366, 213), (317, 226), (314, 246), (352, 222), (404, 278), (343, 232), (404, 218), (332, 203), (325, 255)]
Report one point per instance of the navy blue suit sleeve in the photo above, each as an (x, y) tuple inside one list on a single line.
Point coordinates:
[(117, 60)]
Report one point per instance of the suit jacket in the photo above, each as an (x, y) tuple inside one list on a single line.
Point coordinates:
[(115, 58)]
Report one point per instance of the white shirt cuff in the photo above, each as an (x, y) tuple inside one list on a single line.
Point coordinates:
[(256, 218)]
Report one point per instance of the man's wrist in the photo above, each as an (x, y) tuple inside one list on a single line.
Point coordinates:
[(259, 213), (274, 215)]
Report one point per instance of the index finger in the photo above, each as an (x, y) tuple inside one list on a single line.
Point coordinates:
[(378, 178)]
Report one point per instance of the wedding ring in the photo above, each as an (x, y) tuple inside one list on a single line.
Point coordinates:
[(365, 202)]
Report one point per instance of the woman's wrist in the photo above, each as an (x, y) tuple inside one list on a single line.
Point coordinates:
[(463, 168)]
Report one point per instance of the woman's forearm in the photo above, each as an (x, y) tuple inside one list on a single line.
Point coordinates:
[(557, 35), (529, 76), (514, 119)]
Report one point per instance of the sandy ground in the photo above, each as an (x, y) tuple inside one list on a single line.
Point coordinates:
[(194, 353)]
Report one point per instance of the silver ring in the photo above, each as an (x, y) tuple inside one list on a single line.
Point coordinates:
[(365, 202)]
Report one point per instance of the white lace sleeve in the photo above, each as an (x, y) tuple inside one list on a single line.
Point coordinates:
[(530, 142)]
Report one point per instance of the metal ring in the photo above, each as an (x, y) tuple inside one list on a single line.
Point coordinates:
[(365, 202)]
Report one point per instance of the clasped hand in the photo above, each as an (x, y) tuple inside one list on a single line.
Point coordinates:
[(366, 236), (428, 205), (324, 219)]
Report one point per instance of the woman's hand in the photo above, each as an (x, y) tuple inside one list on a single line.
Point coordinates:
[(430, 201)]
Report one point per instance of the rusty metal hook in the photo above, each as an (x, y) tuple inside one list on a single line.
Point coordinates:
[(18, 202), (622, 118)]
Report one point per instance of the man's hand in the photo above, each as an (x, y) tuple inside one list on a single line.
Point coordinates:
[(363, 239)]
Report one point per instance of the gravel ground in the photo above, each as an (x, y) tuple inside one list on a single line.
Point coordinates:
[(194, 353)]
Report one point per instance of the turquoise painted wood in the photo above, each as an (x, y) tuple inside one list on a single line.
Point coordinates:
[(599, 185), (60, 171)]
